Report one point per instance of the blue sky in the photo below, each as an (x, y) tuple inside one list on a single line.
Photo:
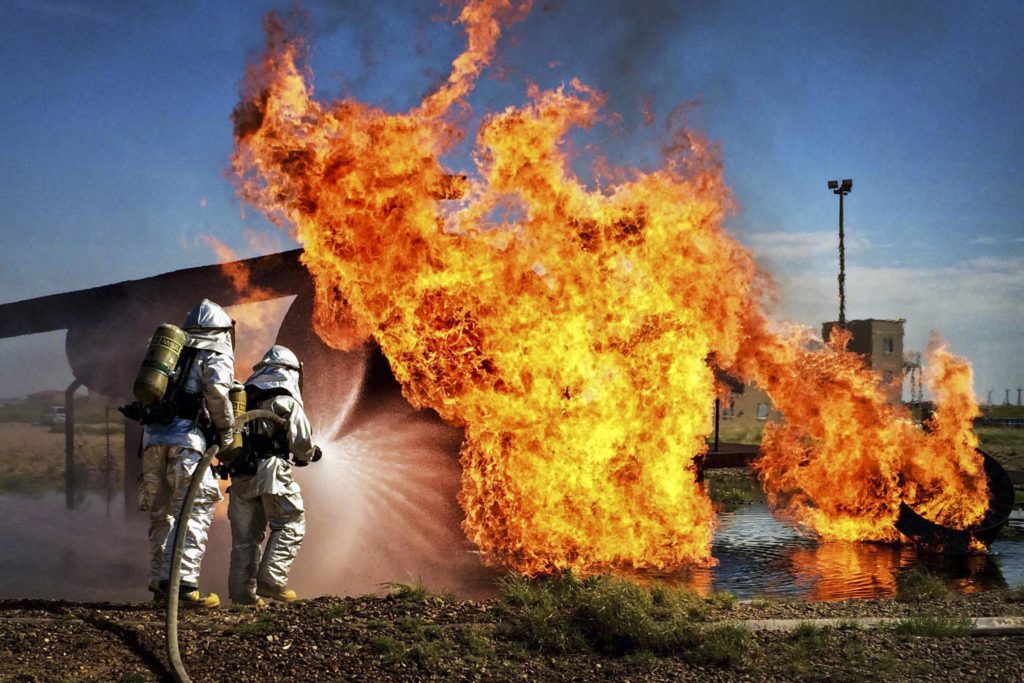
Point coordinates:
[(115, 135)]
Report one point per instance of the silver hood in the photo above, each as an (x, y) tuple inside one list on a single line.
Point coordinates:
[(210, 327), (207, 316), (219, 341), (278, 369)]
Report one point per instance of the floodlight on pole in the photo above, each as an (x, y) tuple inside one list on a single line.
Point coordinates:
[(842, 189)]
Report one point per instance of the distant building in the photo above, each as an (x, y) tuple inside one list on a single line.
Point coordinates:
[(52, 396), (880, 342), (747, 407)]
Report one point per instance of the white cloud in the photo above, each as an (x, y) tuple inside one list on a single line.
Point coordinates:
[(983, 240), (976, 305), (786, 248)]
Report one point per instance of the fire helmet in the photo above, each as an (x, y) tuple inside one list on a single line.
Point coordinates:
[(278, 369), (208, 316)]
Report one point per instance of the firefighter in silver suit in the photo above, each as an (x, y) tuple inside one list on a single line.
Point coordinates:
[(173, 450), (263, 493)]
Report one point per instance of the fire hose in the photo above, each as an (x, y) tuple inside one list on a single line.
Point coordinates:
[(180, 524)]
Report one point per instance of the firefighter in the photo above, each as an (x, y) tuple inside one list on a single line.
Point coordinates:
[(199, 411), (263, 492)]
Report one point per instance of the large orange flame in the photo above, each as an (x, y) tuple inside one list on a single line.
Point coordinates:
[(844, 458), (567, 330)]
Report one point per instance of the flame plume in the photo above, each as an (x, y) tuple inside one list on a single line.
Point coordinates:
[(844, 458), (566, 330)]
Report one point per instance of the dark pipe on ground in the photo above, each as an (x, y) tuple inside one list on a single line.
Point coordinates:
[(932, 537)]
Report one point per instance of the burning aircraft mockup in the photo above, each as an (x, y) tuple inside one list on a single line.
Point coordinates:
[(566, 328)]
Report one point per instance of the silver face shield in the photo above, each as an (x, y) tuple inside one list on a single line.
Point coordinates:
[(280, 356), (208, 316), (278, 369), (275, 377)]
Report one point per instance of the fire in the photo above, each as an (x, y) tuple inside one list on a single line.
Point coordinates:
[(567, 330), (844, 458)]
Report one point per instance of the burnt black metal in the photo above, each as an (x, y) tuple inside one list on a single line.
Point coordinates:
[(932, 537)]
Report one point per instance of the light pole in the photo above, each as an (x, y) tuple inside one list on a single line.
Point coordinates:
[(842, 189)]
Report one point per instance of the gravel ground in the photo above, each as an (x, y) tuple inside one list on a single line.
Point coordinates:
[(393, 638)]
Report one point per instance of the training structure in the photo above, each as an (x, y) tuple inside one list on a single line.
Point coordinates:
[(105, 362)]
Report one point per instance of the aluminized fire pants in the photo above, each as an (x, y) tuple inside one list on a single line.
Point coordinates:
[(270, 498), (166, 474)]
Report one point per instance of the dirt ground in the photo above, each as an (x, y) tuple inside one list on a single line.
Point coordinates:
[(396, 638), (391, 638)]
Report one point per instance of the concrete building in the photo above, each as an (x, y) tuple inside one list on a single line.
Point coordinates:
[(880, 342)]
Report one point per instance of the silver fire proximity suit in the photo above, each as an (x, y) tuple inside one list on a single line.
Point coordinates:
[(263, 492), (172, 451)]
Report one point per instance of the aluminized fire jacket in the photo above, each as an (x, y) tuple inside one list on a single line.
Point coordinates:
[(172, 452), (270, 497)]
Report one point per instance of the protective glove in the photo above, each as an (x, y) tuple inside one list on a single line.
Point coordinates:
[(317, 454)]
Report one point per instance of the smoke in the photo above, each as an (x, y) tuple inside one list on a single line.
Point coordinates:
[(48, 551)]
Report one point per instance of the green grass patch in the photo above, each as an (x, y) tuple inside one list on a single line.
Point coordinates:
[(730, 489), (259, 627), (1005, 444), (387, 647), (723, 600), (429, 647), (410, 592), (823, 653), (801, 648), (934, 625), (1002, 411), (724, 645), (337, 611), (1015, 594), (472, 640), (613, 616), (920, 586), (728, 499), (21, 484)]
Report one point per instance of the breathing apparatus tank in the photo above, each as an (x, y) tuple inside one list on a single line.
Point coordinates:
[(161, 358), (238, 403)]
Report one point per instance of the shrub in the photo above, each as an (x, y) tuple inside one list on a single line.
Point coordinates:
[(724, 645), (723, 600), (414, 592), (934, 625), (920, 586), (614, 616)]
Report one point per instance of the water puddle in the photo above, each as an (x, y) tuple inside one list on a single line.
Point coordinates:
[(759, 556)]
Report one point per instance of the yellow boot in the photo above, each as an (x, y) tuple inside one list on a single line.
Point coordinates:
[(282, 593), (196, 600), (251, 600)]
